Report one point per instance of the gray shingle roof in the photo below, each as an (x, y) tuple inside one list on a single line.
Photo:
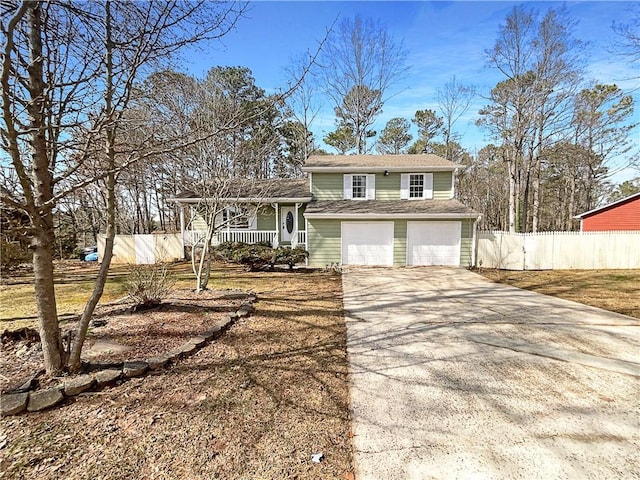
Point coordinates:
[(379, 162), (390, 207), (277, 188)]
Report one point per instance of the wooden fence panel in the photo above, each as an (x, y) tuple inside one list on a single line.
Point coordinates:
[(558, 250)]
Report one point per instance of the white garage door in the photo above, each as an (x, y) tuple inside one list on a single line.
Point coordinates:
[(433, 243), (367, 243)]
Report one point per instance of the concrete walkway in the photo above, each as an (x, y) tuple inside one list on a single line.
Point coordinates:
[(455, 377)]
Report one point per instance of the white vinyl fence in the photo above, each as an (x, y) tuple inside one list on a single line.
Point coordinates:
[(558, 250), (144, 249)]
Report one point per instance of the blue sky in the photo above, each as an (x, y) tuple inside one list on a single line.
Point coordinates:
[(443, 39)]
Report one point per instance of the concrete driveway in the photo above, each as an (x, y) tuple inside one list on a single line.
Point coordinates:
[(455, 377)]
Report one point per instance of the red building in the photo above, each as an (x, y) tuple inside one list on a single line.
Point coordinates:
[(621, 215)]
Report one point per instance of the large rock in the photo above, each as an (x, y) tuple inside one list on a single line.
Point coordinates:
[(244, 311), (13, 403), (105, 377), (158, 362), (135, 368), (44, 399), (79, 384), (25, 385), (198, 341)]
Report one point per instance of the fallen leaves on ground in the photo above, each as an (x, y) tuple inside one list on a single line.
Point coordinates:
[(254, 404)]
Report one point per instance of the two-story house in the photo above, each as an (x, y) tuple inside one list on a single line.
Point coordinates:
[(357, 210)]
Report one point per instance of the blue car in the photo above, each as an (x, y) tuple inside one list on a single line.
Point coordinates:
[(92, 257), (89, 254)]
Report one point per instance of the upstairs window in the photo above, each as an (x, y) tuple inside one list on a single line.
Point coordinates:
[(416, 186), (359, 187)]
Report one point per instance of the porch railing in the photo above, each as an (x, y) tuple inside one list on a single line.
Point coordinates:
[(191, 237), (245, 236), (300, 239)]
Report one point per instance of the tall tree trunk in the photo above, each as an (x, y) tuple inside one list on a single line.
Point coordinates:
[(101, 280), (50, 338), (42, 215)]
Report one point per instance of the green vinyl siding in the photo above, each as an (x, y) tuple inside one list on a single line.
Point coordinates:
[(442, 185), (198, 223), (400, 243), (324, 242), (466, 243), (327, 186), (388, 187), (266, 218)]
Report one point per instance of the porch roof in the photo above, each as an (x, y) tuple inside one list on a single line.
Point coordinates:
[(275, 190), (389, 209)]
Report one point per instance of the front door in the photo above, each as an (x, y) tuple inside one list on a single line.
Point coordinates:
[(287, 223)]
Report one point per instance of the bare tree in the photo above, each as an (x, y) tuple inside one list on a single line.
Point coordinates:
[(359, 58), (628, 36), (531, 108), (454, 100), (74, 67)]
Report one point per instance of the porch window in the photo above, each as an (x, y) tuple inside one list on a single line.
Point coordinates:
[(238, 218)]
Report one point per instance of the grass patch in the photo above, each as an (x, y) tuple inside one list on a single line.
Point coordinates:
[(614, 290)]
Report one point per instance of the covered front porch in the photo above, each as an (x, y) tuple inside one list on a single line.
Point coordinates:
[(275, 224), (256, 211)]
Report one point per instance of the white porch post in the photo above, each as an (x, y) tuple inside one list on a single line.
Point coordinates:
[(275, 206), (184, 255)]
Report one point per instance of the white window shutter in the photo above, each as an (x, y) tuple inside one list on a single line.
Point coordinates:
[(253, 221), (404, 186), (371, 186), (428, 185), (348, 186)]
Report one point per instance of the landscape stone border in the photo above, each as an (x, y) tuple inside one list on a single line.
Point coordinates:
[(101, 375)]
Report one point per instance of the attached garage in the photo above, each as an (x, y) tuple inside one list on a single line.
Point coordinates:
[(434, 243), (367, 243)]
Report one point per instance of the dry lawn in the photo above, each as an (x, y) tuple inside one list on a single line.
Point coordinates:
[(254, 404), (614, 290)]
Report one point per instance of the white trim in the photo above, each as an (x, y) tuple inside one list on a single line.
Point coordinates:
[(310, 182), (474, 243), (397, 216), (371, 187), (347, 186), (244, 200), (453, 182), (404, 186), (370, 169)]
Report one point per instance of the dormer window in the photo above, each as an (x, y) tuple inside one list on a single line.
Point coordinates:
[(416, 186), (359, 187)]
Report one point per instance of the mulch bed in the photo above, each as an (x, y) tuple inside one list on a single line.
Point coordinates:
[(142, 334)]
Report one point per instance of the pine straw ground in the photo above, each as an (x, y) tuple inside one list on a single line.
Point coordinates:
[(254, 404)]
